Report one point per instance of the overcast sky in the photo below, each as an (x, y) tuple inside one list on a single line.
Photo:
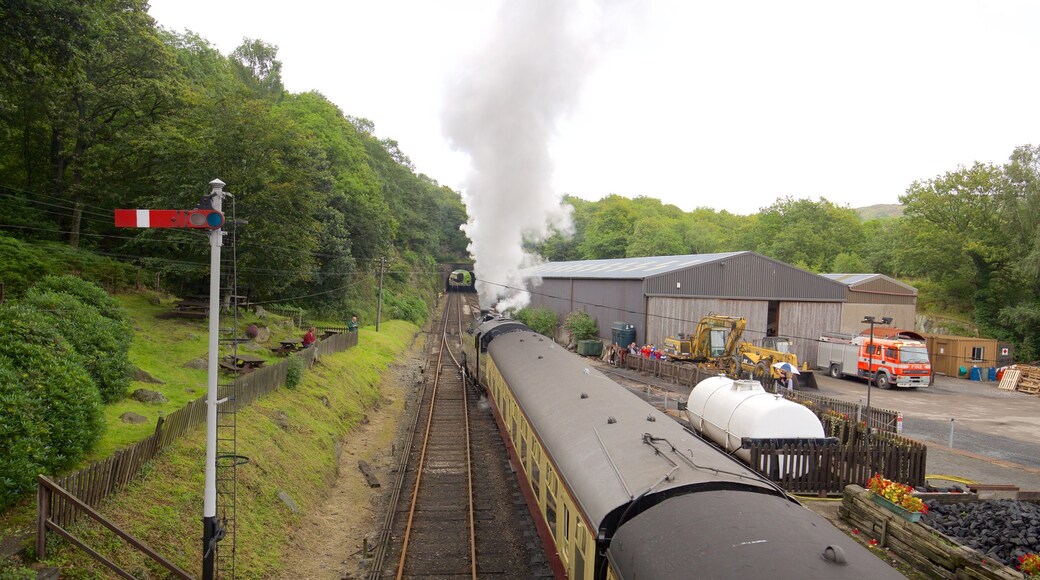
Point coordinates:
[(728, 105)]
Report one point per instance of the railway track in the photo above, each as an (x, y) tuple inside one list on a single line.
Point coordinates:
[(456, 510)]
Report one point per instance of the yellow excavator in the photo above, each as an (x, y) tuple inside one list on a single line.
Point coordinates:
[(713, 344), (759, 360)]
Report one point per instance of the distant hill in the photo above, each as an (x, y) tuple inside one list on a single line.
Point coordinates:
[(881, 210)]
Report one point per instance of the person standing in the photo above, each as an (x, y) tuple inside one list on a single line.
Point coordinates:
[(308, 339), (353, 324)]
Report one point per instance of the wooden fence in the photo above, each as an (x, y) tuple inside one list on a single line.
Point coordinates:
[(821, 469), (101, 479), (689, 375)]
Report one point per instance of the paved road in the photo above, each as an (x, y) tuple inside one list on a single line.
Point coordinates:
[(995, 432)]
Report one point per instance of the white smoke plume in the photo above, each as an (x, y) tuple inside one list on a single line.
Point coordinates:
[(503, 109)]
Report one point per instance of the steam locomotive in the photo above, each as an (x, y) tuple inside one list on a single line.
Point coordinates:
[(461, 281), (619, 490)]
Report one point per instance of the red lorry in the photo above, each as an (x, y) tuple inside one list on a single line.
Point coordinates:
[(896, 361)]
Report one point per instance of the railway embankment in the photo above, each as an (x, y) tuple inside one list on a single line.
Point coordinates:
[(297, 440)]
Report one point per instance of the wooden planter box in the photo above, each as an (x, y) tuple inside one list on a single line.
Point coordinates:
[(928, 551), (896, 509)]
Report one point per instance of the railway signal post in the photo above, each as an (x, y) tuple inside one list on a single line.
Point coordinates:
[(210, 218)]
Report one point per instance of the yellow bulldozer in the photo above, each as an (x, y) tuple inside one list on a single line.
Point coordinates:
[(712, 345), (759, 360)]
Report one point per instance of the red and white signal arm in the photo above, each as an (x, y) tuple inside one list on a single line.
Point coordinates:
[(208, 219)]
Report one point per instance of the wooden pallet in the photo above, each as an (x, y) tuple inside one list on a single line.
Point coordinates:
[(1029, 382), (1009, 381)]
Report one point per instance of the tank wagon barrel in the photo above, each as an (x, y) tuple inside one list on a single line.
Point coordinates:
[(620, 490)]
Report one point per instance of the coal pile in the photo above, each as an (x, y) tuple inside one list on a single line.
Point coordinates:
[(1003, 529)]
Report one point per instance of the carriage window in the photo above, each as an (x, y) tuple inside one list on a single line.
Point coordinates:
[(536, 472), (550, 503), (579, 551)]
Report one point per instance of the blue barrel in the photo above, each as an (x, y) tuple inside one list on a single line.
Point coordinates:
[(992, 373), (975, 376)]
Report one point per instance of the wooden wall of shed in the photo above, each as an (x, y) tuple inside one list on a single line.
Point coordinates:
[(903, 315), (670, 316), (804, 322), (948, 353)]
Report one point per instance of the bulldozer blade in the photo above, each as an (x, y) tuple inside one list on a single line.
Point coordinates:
[(807, 380)]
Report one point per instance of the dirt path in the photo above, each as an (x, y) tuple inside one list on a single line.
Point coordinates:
[(328, 543)]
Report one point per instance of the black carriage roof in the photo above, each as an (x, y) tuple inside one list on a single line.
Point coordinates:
[(750, 536), (490, 326), (593, 429)]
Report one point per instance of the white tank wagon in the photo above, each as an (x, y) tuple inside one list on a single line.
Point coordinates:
[(728, 411)]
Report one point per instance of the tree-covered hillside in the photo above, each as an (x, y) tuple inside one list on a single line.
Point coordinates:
[(101, 109), (968, 240)]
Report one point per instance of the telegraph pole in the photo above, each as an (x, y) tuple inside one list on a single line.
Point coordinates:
[(379, 302)]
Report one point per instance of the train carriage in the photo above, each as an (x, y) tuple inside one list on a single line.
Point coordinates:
[(621, 490)]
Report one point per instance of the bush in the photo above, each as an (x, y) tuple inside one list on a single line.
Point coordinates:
[(100, 341), (50, 409), (23, 262), (581, 326), (89, 294), (541, 320), (294, 368), (410, 308)]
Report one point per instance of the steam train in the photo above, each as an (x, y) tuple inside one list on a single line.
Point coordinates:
[(619, 490), (461, 281)]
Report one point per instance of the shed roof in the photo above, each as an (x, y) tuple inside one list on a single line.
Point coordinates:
[(623, 268), (855, 280)]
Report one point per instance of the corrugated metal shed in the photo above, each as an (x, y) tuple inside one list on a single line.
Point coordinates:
[(664, 295), (875, 289), (745, 275), (875, 295), (623, 268)]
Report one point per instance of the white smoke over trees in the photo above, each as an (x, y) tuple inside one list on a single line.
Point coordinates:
[(503, 109)]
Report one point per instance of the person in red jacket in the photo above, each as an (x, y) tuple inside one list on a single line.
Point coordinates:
[(308, 339)]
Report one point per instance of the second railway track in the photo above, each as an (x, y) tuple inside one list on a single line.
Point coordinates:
[(456, 510)]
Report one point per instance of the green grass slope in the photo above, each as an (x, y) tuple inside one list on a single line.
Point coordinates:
[(290, 437)]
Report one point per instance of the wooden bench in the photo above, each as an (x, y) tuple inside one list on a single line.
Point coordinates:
[(249, 361), (288, 346), (227, 366)]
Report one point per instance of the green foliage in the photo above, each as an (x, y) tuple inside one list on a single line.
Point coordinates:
[(50, 410), (541, 320), (581, 326), (848, 263), (608, 229), (410, 308), (23, 264), (89, 294), (294, 369), (656, 237), (807, 232), (102, 343)]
